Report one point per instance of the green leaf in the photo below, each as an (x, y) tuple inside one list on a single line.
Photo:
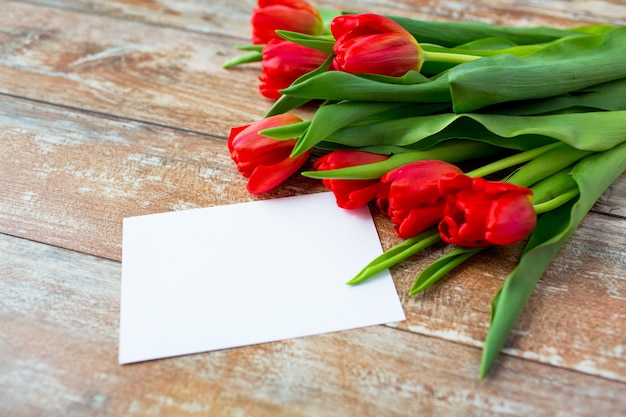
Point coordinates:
[(397, 254), (594, 29), (593, 131), (567, 65), (286, 132), (452, 34), (287, 103), (320, 43), (609, 96), (439, 268), (338, 85), (416, 133), (330, 118), (450, 151), (594, 174)]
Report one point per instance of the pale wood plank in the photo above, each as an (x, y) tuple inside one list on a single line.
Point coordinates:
[(59, 316), (227, 17), (613, 200), (222, 17), (69, 179), (127, 69)]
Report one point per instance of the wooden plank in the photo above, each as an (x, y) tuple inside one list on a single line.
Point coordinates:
[(59, 315), (69, 178), (612, 201), (223, 17), (226, 17), (127, 69)]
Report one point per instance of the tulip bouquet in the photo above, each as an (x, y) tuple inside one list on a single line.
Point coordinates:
[(539, 114)]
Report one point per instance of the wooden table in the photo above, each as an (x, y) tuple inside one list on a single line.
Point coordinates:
[(116, 108)]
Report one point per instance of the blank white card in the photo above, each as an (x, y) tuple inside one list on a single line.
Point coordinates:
[(242, 274)]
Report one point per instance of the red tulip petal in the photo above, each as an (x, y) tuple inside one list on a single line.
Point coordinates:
[(266, 177)]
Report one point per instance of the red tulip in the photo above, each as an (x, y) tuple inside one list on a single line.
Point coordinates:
[(481, 213), (374, 44), (265, 161), (292, 15), (350, 194), (284, 62), (410, 195)]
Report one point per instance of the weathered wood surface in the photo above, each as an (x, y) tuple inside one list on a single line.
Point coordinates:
[(116, 108), (60, 360), (125, 68), (232, 18)]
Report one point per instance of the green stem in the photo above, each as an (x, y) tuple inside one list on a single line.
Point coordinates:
[(257, 48), (547, 165), (397, 254), (510, 161), (556, 201), (448, 151), (431, 56), (253, 56), (439, 268)]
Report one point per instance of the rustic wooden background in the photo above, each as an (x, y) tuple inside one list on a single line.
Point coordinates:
[(115, 108)]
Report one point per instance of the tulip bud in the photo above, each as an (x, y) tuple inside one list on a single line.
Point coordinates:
[(283, 63), (374, 44), (482, 213), (291, 15), (265, 161), (350, 194), (410, 196)]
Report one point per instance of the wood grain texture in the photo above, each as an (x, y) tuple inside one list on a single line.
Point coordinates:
[(127, 69), (69, 178), (58, 310), (222, 16), (115, 108)]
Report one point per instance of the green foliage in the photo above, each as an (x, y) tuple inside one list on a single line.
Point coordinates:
[(593, 175), (545, 107)]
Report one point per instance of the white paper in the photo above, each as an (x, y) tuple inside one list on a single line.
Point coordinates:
[(242, 274)]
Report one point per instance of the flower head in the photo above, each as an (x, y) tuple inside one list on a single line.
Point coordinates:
[(292, 15), (350, 194), (284, 62), (482, 213), (410, 195), (265, 161), (374, 44)]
